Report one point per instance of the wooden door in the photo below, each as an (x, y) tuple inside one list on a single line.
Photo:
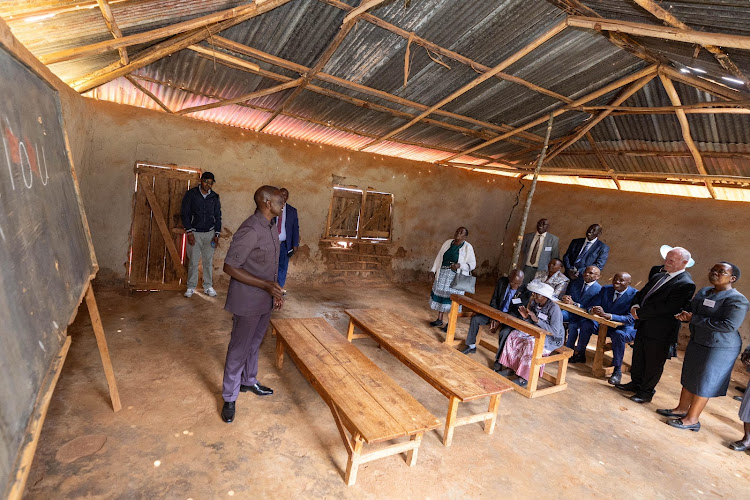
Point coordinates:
[(343, 215), (375, 219), (157, 238)]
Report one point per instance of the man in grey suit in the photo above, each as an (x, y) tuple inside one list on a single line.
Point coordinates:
[(537, 249)]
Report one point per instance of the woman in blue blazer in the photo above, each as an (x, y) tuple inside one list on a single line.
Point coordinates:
[(716, 313)]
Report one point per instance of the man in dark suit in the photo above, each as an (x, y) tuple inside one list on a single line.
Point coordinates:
[(288, 227), (613, 303), (509, 294), (537, 249), (581, 293), (654, 309), (585, 252)]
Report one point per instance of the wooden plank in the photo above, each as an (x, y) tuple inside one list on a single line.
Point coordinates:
[(101, 342), (157, 248), (150, 94), (177, 189), (584, 314), (246, 97), (169, 171), (139, 234)]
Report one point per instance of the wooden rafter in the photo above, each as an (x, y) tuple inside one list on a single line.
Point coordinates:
[(602, 159), (713, 88), (243, 98), (437, 49), (722, 107), (578, 102), (148, 93), (624, 96), (363, 7), (675, 98), (172, 45), (653, 153), (19, 11), (282, 63), (559, 27), (722, 57), (109, 20), (662, 32)]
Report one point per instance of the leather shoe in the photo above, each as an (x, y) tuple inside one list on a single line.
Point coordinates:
[(506, 373), (445, 328), (437, 322), (630, 387), (739, 446), (469, 350), (256, 388), (641, 397), (615, 378), (669, 413), (521, 381), (578, 357), (497, 366), (737, 398), (227, 412), (677, 423)]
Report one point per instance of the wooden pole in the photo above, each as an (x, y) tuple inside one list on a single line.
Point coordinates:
[(109, 20), (101, 342), (527, 206), (148, 93)]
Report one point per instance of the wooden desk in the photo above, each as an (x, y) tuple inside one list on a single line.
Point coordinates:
[(559, 355), (453, 374), (362, 398), (597, 368)]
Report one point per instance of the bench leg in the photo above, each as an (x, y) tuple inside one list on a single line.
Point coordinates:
[(350, 331), (489, 425), (279, 351), (353, 463), (452, 321), (562, 369), (450, 420), (598, 366), (536, 357), (411, 455)]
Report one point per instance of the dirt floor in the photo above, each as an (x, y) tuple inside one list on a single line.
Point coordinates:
[(169, 441)]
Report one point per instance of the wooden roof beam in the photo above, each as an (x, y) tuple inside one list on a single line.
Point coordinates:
[(432, 47), (568, 107), (143, 89), (559, 27), (243, 98), (602, 159), (661, 154), (716, 89), (363, 7), (675, 98), (109, 20)]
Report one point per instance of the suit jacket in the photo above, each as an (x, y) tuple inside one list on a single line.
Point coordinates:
[(619, 310), (717, 324), (292, 227), (501, 288), (595, 256), (550, 241), (583, 300), (656, 319)]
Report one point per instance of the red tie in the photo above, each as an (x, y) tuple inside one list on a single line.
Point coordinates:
[(278, 223)]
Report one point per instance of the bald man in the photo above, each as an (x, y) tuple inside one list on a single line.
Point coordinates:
[(252, 262)]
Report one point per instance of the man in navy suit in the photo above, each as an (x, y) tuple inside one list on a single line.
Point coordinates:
[(288, 227), (585, 252), (581, 293), (613, 303), (654, 309)]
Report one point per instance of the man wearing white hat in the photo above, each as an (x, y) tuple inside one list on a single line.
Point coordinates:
[(663, 250)]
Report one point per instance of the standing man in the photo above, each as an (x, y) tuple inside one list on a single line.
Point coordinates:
[(654, 309), (537, 249), (252, 263), (509, 294), (201, 217), (288, 226), (585, 252)]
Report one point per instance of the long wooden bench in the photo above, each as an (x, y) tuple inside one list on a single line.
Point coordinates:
[(363, 400), (455, 375), (559, 356), (602, 346)]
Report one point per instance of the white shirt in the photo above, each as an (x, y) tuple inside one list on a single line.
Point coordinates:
[(539, 237), (282, 234), (587, 242), (669, 277)]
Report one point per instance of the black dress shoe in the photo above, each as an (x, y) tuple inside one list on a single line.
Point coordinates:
[(256, 388), (739, 446), (445, 328), (469, 350), (677, 423), (227, 412), (578, 357), (437, 322), (737, 398), (615, 378), (497, 366), (630, 386), (641, 397), (506, 372), (669, 413)]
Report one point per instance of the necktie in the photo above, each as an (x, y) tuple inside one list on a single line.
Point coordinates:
[(617, 296), (656, 287), (583, 251), (506, 301), (278, 222), (535, 251)]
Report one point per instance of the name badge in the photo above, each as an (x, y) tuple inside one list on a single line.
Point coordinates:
[(516, 300), (542, 316), (709, 302), (547, 249)]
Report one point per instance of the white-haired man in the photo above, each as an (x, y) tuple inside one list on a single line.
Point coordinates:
[(654, 308)]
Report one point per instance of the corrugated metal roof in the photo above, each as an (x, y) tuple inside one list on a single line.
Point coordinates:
[(573, 64)]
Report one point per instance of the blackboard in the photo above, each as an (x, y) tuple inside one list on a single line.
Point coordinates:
[(46, 258)]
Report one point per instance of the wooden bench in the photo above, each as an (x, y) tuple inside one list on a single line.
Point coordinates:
[(602, 346), (455, 375), (363, 399), (559, 355)]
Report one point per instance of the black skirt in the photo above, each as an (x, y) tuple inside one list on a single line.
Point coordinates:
[(706, 371)]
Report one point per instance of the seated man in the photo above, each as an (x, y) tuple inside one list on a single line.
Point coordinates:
[(613, 303), (554, 277), (509, 294), (582, 293)]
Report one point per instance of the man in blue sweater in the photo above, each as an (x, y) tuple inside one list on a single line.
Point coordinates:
[(201, 217)]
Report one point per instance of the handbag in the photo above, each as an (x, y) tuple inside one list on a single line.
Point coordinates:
[(464, 283)]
